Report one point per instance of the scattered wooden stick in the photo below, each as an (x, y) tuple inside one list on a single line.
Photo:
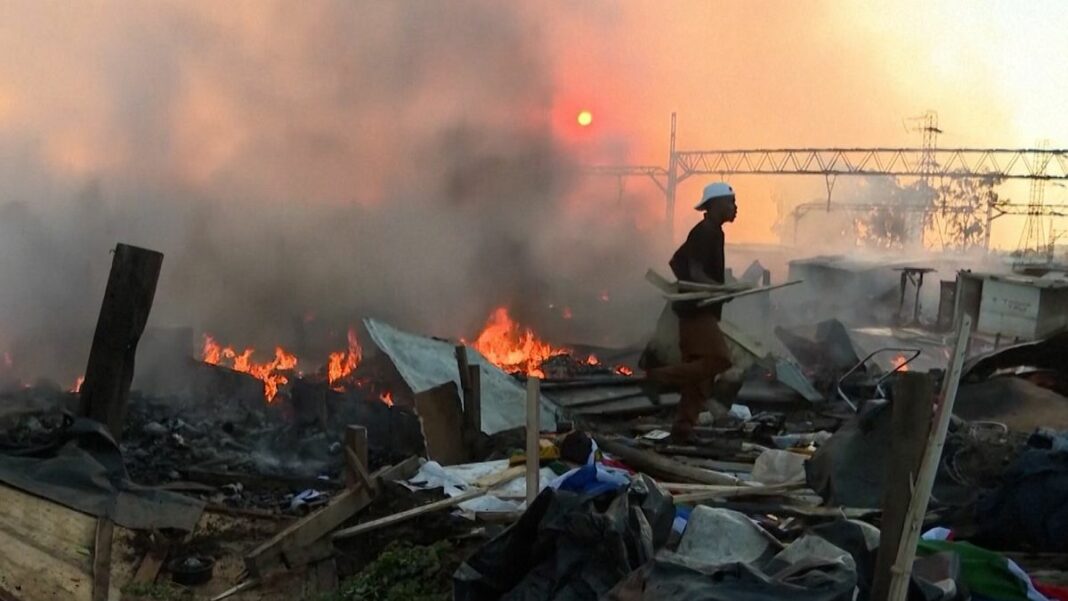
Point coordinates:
[(730, 492), (474, 493), (663, 467)]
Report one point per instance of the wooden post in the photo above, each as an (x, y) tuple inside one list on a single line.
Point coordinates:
[(533, 438), (123, 315), (473, 411), (909, 428), (470, 392), (932, 457), (355, 440)]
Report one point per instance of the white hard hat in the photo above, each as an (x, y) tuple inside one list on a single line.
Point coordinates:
[(714, 190)]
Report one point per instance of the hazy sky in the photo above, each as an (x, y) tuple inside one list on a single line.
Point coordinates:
[(739, 74), (414, 160)]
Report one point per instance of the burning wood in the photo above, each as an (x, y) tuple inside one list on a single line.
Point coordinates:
[(512, 347), (270, 373), (343, 363), (518, 350)]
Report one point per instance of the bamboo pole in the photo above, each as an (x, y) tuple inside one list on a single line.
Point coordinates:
[(932, 456)]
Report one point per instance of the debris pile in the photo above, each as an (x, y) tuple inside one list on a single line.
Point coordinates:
[(822, 469)]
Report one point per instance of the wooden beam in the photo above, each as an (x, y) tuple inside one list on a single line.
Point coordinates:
[(932, 457), (102, 559), (123, 314), (401, 471), (663, 467), (910, 425), (482, 486), (307, 530), (533, 438), (356, 440)]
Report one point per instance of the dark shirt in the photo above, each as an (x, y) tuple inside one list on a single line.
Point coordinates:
[(699, 259)]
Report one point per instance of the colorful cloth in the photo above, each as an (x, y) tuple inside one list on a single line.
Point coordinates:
[(988, 575)]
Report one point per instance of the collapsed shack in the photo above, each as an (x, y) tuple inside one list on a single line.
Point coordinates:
[(804, 489)]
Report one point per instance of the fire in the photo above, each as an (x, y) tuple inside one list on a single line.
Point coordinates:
[(512, 347), (584, 118), (387, 398), (566, 313), (592, 360), (7, 359), (623, 370), (77, 387), (342, 363), (899, 363), (604, 296), (268, 373)]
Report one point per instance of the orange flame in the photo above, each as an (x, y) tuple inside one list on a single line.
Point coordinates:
[(342, 363), (623, 370), (513, 348), (268, 372), (387, 398), (604, 296), (566, 313), (77, 387), (899, 363), (593, 360)]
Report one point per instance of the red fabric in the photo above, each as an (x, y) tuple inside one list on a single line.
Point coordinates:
[(1052, 591)]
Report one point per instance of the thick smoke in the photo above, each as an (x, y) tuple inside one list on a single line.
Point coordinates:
[(299, 169)]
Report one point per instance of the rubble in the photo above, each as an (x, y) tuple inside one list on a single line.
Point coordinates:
[(322, 489)]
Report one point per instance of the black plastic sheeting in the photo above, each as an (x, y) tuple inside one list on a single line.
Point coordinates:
[(569, 546), (849, 469), (84, 471), (671, 576), (1030, 509)]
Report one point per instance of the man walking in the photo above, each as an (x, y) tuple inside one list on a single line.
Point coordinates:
[(704, 350)]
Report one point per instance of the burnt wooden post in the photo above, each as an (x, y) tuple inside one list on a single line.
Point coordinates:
[(470, 389), (910, 424), (123, 315)]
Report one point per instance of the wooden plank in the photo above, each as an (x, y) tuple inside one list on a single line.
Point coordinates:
[(785, 509), (361, 478), (123, 314), (490, 482), (441, 416), (733, 295), (105, 529), (45, 548), (150, 565), (910, 425), (401, 471), (533, 438), (662, 467), (901, 572), (308, 529), (731, 492), (355, 439)]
